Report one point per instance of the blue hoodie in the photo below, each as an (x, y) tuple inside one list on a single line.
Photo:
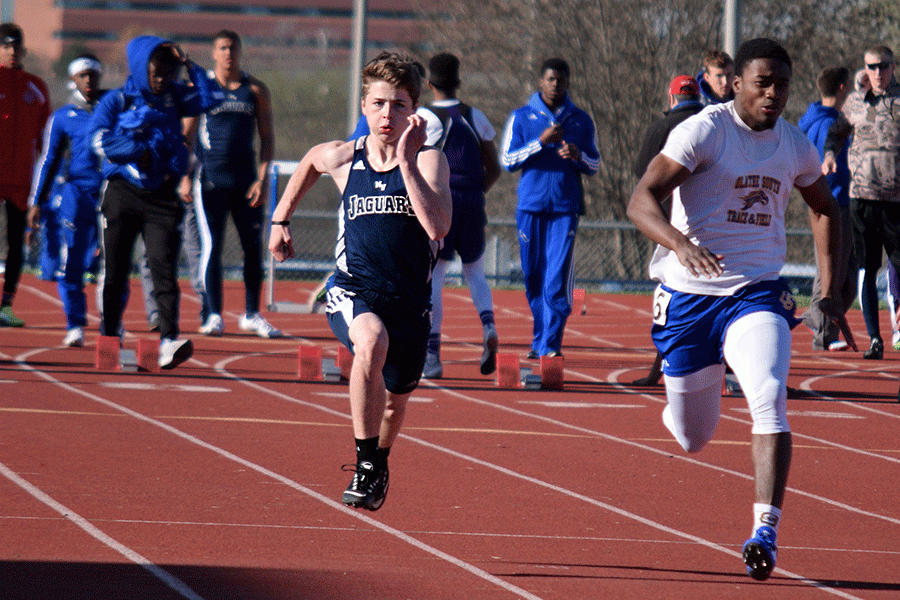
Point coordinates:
[(815, 124), (549, 183), (138, 133)]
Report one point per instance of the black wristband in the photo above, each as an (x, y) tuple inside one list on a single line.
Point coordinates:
[(285, 223)]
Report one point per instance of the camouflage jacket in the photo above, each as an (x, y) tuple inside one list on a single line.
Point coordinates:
[(874, 155)]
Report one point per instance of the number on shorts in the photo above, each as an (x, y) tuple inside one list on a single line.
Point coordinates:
[(787, 300), (661, 299)]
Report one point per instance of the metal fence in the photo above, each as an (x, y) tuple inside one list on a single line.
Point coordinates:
[(609, 256)]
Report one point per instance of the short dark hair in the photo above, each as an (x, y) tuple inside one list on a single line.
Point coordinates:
[(555, 64), (227, 34), (760, 48), (830, 80), (396, 69), (10, 33), (164, 54), (444, 69), (716, 58)]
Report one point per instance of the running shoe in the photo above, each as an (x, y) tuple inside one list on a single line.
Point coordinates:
[(74, 338), (896, 340), (257, 324), (760, 553), (489, 355), (876, 350), (214, 325), (8, 319), (433, 367), (532, 355), (368, 488), (838, 346), (174, 352)]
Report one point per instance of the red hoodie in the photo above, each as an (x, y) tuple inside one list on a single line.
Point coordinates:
[(24, 109)]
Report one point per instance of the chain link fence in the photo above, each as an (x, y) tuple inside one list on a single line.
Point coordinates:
[(609, 255)]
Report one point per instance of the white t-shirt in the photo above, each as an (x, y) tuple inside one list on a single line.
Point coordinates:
[(734, 201), (434, 127)]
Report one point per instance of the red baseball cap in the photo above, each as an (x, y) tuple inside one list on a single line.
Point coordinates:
[(684, 84)]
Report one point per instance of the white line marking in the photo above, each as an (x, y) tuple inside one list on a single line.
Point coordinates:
[(220, 366), (176, 387), (280, 478), (550, 404), (167, 578)]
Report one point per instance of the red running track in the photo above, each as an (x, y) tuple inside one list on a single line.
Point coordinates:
[(221, 479)]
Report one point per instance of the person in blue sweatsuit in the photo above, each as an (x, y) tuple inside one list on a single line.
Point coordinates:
[(553, 143), (68, 154), (137, 132)]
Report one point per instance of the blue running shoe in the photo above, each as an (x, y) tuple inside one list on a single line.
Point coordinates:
[(760, 552)]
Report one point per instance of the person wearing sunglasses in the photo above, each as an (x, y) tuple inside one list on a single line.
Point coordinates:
[(872, 117)]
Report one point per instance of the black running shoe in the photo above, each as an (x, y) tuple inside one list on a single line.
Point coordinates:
[(368, 488), (876, 350)]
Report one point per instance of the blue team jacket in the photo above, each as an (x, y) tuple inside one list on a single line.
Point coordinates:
[(131, 121), (67, 133), (549, 183)]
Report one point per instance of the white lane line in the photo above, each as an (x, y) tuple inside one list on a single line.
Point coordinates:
[(221, 367), (164, 576), (472, 569)]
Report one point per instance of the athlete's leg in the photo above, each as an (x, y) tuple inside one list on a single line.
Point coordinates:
[(367, 392), (478, 287), (692, 412), (438, 276), (758, 348), (559, 278), (248, 222), (212, 234), (392, 419), (531, 254), (15, 237)]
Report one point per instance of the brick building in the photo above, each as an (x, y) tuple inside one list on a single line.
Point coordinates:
[(278, 31)]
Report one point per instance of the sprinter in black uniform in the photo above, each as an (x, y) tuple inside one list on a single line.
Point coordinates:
[(230, 180), (395, 208)]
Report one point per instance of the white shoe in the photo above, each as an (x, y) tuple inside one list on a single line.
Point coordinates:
[(174, 352), (214, 325), (74, 338), (257, 324)]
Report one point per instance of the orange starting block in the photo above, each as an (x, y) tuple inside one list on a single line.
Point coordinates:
[(511, 374), (107, 358), (312, 367), (148, 355), (579, 306)]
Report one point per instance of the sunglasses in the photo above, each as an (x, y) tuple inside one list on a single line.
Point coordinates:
[(881, 65)]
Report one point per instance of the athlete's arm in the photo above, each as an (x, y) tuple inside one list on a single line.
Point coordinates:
[(257, 192), (490, 162), (824, 218), (189, 127), (426, 175), (645, 210), (332, 158)]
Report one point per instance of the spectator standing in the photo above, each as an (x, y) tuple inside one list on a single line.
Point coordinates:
[(834, 85), (553, 143), (230, 181), (67, 150), (684, 102), (467, 138), (136, 130), (716, 78), (24, 110), (874, 159)]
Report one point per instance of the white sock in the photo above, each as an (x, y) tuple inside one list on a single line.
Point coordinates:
[(766, 514)]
